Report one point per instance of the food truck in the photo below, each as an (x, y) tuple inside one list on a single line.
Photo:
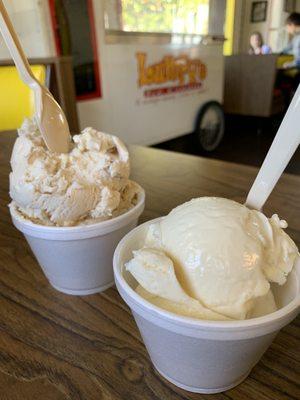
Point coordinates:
[(145, 71)]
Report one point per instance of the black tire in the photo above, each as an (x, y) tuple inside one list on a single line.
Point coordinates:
[(209, 133)]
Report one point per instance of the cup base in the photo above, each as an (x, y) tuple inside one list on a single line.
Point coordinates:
[(84, 292), (200, 390)]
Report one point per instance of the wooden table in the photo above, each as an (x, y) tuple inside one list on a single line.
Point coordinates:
[(54, 346)]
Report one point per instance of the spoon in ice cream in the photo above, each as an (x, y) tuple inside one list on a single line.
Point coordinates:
[(50, 117), (283, 147)]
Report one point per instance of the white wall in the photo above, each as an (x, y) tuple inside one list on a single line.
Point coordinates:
[(277, 36), (31, 20)]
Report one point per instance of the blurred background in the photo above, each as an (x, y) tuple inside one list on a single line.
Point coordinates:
[(211, 78)]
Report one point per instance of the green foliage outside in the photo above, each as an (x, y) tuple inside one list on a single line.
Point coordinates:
[(159, 15)]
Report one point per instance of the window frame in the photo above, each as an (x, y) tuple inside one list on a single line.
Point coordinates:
[(97, 93)]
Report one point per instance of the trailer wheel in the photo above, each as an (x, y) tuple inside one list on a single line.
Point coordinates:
[(210, 126)]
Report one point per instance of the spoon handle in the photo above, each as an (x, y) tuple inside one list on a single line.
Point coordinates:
[(15, 48), (283, 147)]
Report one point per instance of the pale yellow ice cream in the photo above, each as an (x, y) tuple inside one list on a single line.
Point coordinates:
[(89, 184), (214, 258)]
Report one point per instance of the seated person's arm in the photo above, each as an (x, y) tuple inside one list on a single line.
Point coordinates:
[(296, 52), (288, 48), (292, 64)]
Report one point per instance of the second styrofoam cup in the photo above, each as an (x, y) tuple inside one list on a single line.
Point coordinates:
[(78, 260), (198, 355)]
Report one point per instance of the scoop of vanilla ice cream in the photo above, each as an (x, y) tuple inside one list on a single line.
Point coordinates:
[(154, 270), (90, 183), (224, 256)]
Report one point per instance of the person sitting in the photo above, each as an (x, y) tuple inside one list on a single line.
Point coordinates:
[(293, 47), (257, 46)]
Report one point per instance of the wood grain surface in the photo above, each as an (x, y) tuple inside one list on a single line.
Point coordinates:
[(59, 347)]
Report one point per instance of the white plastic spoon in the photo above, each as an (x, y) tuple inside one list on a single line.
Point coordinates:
[(281, 151), (49, 115)]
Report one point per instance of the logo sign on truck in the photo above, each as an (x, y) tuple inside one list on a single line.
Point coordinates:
[(170, 75)]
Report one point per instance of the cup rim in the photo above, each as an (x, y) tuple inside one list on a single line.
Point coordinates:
[(78, 228), (191, 322)]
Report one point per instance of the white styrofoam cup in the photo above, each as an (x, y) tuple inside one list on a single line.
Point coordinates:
[(198, 355), (77, 260)]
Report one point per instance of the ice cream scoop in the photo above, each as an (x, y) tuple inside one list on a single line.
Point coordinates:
[(89, 184), (154, 270), (224, 256)]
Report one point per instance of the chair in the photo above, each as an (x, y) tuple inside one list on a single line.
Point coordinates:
[(283, 58)]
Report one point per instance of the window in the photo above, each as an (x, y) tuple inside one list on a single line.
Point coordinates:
[(160, 16)]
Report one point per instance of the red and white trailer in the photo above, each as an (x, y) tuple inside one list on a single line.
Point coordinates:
[(146, 87)]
